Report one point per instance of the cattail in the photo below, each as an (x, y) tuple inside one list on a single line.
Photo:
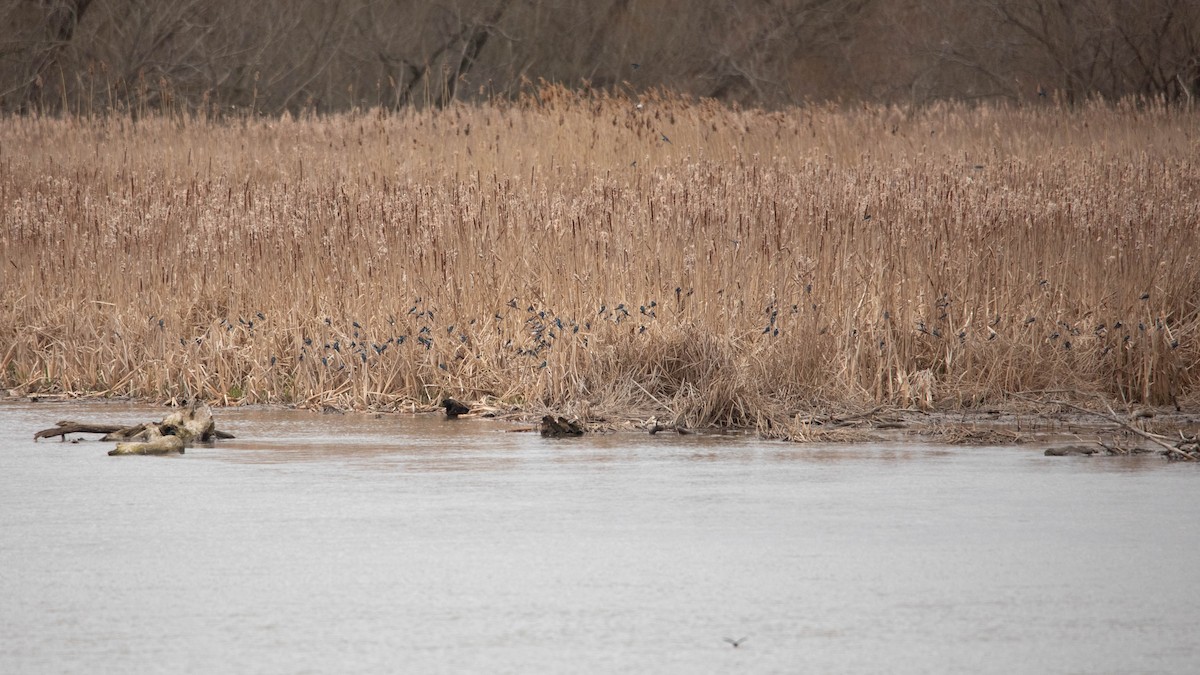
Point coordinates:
[(256, 244)]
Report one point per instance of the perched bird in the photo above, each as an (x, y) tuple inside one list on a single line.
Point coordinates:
[(558, 428), (454, 408)]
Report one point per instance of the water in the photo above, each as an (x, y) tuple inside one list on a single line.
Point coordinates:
[(326, 543)]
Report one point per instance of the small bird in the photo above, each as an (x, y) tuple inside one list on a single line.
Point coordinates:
[(665, 139), (736, 643), (454, 408)]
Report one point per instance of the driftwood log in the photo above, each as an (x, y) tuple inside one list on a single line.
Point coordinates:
[(175, 432), (1071, 450), (163, 445), (1187, 448), (64, 427)]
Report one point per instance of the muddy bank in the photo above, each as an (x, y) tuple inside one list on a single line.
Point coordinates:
[(1064, 428), (1054, 424)]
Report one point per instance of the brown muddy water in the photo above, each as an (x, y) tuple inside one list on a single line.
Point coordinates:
[(330, 543)]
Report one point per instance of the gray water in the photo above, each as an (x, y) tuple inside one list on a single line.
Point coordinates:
[(326, 543)]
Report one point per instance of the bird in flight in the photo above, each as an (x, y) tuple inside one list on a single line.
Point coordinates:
[(736, 643)]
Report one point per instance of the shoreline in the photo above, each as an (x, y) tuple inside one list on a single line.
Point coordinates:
[(1063, 427)]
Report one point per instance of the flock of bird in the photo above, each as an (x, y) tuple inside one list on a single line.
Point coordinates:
[(336, 347), (543, 328)]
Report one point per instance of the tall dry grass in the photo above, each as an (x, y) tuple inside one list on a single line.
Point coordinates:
[(559, 253)]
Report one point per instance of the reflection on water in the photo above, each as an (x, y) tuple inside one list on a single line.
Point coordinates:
[(334, 543)]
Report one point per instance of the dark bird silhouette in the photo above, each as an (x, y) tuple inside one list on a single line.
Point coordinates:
[(736, 643), (454, 408), (558, 428)]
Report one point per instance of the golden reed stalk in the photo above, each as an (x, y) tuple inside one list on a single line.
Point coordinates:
[(605, 256)]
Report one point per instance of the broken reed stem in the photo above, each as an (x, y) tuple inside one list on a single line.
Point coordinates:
[(557, 254)]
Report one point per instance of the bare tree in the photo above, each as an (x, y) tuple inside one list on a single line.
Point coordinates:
[(325, 55), (38, 33), (1110, 48)]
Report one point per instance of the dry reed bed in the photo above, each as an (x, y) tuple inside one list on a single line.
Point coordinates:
[(559, 253)]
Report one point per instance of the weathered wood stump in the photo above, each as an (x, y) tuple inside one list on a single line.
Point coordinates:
[(175, 432)]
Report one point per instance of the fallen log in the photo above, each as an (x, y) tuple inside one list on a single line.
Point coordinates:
[(64, 427), (136, 431), (1070, 450), (1171, 451), (163, 445), (176, 431)]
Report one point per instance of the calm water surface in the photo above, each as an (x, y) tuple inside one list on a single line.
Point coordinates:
[(318, 543)]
